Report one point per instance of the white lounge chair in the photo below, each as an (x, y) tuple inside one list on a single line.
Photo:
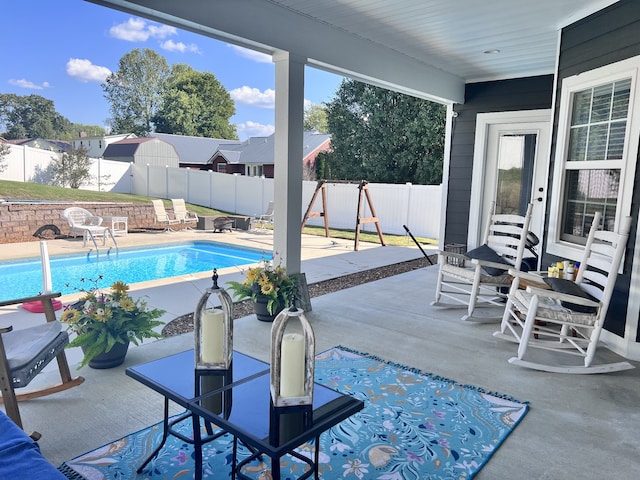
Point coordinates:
[(181, 213), (161, 215), (266, 217), (83, 222)]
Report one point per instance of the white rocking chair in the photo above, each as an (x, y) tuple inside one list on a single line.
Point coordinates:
[(486, 280), (552, 319)]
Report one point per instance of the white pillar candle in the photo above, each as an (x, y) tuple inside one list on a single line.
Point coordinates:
[(292, 365), (212, 335)]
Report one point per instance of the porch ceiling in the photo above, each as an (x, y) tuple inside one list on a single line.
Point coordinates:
[(427, 48)]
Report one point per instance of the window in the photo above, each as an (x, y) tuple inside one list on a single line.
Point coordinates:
[(222, 167), (596, 152), (254, 171)]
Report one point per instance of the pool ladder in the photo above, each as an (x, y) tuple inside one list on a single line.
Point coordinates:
[(93, 239)]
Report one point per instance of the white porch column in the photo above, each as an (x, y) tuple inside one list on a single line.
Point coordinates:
[(288, 160)]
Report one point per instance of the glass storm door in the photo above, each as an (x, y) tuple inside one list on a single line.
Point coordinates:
[(515, 171)]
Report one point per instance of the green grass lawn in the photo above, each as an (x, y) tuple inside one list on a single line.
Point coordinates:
[(36, 191)]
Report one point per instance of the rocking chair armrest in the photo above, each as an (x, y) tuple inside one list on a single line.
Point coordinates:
[(487, 263), (564, 297), (36, 298), (529, 276), (459, 256)]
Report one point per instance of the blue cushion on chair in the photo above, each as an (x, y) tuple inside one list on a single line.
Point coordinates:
[(486, 253), (562, 285)]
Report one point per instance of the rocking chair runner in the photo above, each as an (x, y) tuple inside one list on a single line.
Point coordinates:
[(482, 284), (568, 323), (25, 352)]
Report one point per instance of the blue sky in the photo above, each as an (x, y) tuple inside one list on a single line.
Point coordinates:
[(63, 50)]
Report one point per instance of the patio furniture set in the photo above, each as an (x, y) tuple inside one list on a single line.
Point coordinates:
[(561, 315)]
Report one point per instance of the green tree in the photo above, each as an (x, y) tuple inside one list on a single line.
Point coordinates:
[(136, 90), (197, 104), (315, 118), (384, 136), (72, 168), (90, 130), (31, 116)]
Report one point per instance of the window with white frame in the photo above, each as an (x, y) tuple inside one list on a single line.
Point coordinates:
[(222, 167), (596, 153)]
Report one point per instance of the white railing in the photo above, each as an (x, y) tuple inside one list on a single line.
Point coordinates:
[(417, 206)]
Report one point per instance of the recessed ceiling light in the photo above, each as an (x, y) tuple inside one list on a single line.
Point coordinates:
[(491, 52)]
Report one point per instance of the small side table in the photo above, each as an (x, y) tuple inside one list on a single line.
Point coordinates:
[(119, 225)]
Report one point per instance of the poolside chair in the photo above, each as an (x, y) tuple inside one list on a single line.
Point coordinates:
[(566, 316), (266, 217), (25, 352), (161, 215), (486, 280), (82, 222), (181, 213)]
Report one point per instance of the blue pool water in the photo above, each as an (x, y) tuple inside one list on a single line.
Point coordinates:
[(23, 278)]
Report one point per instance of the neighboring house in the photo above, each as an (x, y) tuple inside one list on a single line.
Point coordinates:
[(143, 151), (57, 146), (97, 144), (255, 156), (194, 152)]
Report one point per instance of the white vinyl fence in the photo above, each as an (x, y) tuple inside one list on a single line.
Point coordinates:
[(416, 206)]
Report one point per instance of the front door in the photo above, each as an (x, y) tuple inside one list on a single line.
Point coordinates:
[(510, 168)]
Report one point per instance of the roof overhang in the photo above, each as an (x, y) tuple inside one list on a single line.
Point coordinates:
[(338, 51)]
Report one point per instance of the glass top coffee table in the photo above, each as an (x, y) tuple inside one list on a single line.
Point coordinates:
[(238, 402), (176, 379)]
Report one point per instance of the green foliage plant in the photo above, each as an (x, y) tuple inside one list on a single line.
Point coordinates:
[(102, 319), (4, 151), (72, 168)]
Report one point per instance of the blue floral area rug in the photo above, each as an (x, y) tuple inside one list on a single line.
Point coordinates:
[(414, 425)]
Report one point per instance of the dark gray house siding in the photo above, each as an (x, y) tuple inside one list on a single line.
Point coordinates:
[(508, 95), (606, 37)]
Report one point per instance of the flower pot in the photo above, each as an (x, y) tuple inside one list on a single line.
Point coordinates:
[(112, 358), (260, 308)]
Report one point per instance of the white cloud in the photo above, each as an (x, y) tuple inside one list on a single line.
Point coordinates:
[(172, 46), (254, 129), (254, 97), (85, 71), (23, 83), (252, 54), (138, 30)]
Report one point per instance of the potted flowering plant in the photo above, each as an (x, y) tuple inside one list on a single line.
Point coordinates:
[(270, 288), (105, 323)]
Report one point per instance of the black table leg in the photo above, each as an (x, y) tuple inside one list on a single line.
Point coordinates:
[(165, 434), (197, 446), (317, 458)]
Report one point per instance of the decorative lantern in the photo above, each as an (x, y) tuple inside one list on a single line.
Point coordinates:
[(213, 329), (292, 361)]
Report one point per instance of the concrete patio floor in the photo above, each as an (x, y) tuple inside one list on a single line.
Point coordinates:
[(578, 426)]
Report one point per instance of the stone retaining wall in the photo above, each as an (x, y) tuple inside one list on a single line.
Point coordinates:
[(26, 222)]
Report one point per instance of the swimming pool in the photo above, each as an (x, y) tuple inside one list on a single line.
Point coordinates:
[(23, 278)]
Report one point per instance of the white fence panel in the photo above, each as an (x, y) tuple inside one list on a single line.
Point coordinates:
[(199, 187), (417, 206), (156, 185)]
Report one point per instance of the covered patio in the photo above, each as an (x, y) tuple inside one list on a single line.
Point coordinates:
[(580, 426), (503, 69)]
